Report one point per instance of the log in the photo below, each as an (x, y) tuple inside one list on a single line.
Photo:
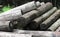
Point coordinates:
[(42, 9), (58, 29), (16, 12), (54, 25), (9, 16), (5, 26), (49, 21)]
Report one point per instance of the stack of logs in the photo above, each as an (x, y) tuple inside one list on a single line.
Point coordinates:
[(31, 16)]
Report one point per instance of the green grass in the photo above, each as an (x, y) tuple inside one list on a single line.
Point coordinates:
[(6, 8)]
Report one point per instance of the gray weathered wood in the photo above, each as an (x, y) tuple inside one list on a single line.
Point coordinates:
[(49, 21), (8, 16), (58, 29), (35, 23), (29, 32), (44, 8), (36, 33), (7, 34), (5, 26), (28, 17), (16, 12), (30, 6), (54, 25)]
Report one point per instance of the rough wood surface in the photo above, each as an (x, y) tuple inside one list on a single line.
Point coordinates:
[(35, 23), (49, 21), (54, 25), (28, 17)]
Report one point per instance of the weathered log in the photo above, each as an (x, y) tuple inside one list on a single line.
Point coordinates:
[(48, 22), (8, 16), (54, 25), (16, 12), (5, 26), (30, 6), (58, 29)]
